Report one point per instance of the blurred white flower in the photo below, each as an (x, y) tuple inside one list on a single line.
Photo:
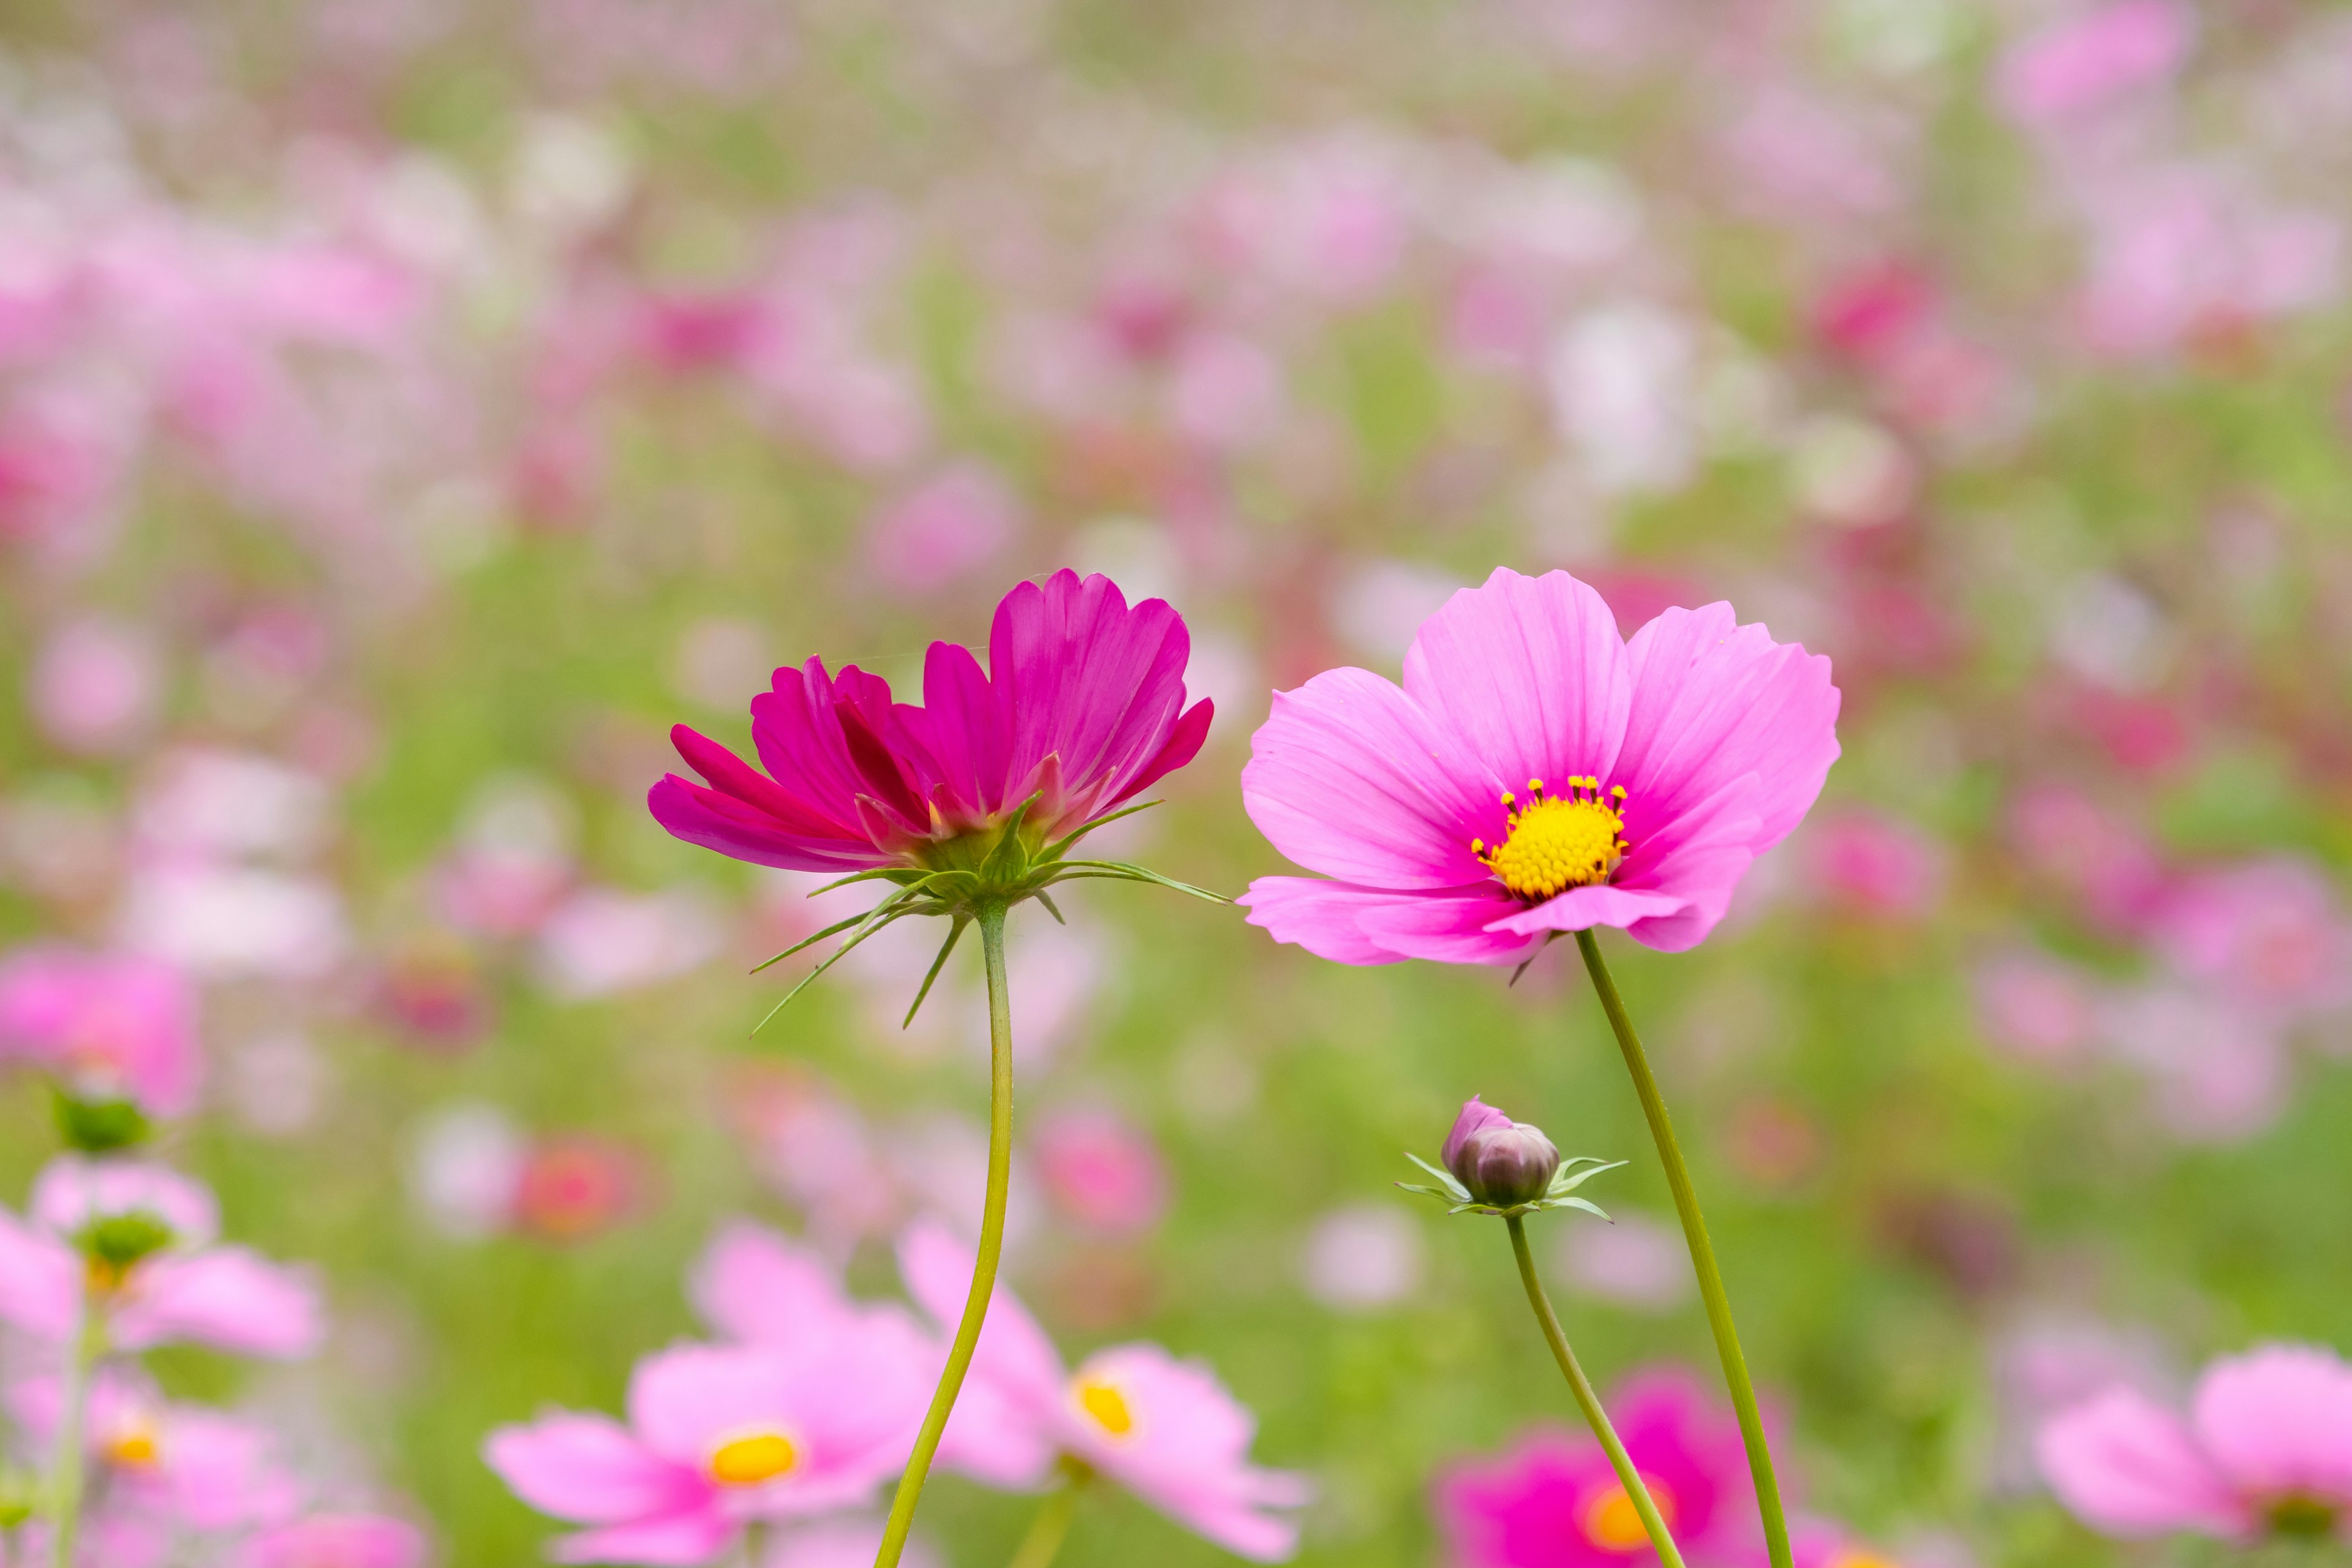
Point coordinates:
[(1621, 379), (464, 1169), (224, 923), (1637, 1263), (1362, 1257), (1377, 606), (232, 804), (601, 941)]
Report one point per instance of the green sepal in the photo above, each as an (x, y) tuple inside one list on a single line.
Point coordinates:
[(955, 933)]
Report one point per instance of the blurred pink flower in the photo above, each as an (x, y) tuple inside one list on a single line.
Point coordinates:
[(2189, 251), (2266, 1449), (1224, 392), (1362, 1257), (1631, 1261), (337, 1540), (1328, 218), (1671, 761), (686, 332), (947, 528), (96, 686), (1552, 1500), (573, 1188), (601, 941), (464, 1169), (718, 1437), (2105, 863), (192, 1289), (201, 801), (1165, 1430), (230, 921), (842, 1543), (2085, 62), (2270, 933), (183, 1466), (2217, 1072), (107, 1026), (1101, 1170), (1877, 865), (1084, 710), (2036, 1008)]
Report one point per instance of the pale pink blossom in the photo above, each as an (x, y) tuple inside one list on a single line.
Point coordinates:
[(2270, 933), (336, 1540), (107, 1026), (952, 525), (1631, 1261), (1101, 1170), (2085, 62), (1362, 1257), (182, 1466), (96, 686), (2217, 1072), (601, 941), (1165, 1430), (1875, 864), (2036, 1008), (2266, 1448), (192, 1288)]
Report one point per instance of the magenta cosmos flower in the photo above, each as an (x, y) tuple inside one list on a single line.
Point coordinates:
[(1165, 1430), (2266, 1448), (1081, 709), (108, 1026), (1553, 1501), (1535, 773), (718, 1437), (140, 1240)]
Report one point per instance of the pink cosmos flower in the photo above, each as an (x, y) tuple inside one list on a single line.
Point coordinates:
[(336, 1540), (2266, 1448), (1101, 1170), (1877, 865), (1553, 1501), (2087, 61), (179, 1466), (944, 530), (107, 1026), (1535, 775), (188, 1287), (1084, 710), (1165, 1430), (2270, 934)]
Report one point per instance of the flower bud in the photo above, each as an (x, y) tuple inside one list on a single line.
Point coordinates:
[(1502, 1162)]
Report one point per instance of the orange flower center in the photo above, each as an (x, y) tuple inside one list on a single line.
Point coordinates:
[(1611, 1523), (135, 1447), (1559, 841), (749, 1460)]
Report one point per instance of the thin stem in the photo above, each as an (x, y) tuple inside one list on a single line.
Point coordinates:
[(1051, 1524), (991, 920), (1701, 1251), (65, 1461), (1636, 1490)]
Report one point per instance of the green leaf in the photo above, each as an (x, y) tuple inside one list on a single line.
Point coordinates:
[(837, 954), (805, 941), (1565, 1183), (1577, 1204), (1145, 874), (898, 874), (1445, 1177)]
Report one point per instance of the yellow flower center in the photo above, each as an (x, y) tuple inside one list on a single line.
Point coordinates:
[(134, 1447), (1106, 1406), (1611, 1523), (1559, 841), (1863, 1559), (747, 1462)]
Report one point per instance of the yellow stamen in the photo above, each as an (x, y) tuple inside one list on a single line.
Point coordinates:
[(1611, 1521), (1106, 1405), (747, 1462), (1863, 1559), (1558, 842), (134, 1449)]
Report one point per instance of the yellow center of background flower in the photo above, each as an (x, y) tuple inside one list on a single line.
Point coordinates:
[(134, 1447), (1107, 1406), (1863, 1559), (747, 1462), (1558, 842), (1611, 1523)]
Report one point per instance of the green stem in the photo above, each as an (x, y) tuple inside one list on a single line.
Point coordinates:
[(1636, 1490), (1052, 1525), (65, 1462), (990, 918), (1701, 1251)]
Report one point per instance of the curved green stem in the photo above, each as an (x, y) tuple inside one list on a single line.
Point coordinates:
[(65, 1463), (991, 920), (1701, 1251), (1636, 1490), (1051, 1524)]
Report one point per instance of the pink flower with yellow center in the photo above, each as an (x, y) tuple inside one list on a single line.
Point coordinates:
[(109, 1027), (1165, 1430), (1553, 1501), (1535, 773), (2266, 1450)]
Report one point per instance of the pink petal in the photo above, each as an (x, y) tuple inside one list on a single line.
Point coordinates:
[(681, 1541), (1530, 672), (1458, 925), (2126, 1465), (73, 1190), (683, 1402), (40, 1282), (1351, 778), (1580, 909), (1319, 915), (1713, 701), (588, 1469), (1013, 1353), (223, 1296), (1698, 861), (2278, 1420), (966, 727), (753, 1285), (1185, 742)]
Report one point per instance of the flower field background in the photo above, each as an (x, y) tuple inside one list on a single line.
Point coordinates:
[(409, 411)]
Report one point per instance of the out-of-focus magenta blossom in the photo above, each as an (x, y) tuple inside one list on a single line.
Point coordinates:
[(2085, 62), (107, 1026), (944, 530), (2270, 934), (336, 1540), (2266, 1448), (1084, 710), (573, 1188), (1101, 1170), (1876, 864), (1818, 1543), (2090, 852), (190, 1289), (1552, 1500), (718, 1437), (1535, 775), (1165, 1430)]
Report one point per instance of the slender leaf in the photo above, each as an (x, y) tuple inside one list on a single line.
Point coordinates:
[(955, 933)]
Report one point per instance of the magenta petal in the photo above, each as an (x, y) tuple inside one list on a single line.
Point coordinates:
[(731, 775), (1699, 860), (1185, 742), (1476, 1116), (1530, 672), (966, 727), (706, 819), (1713, 701), (2127, 1465), (2278, 1420), (1459, 925), (1319, 915), (1581, 909), (589, 1470), (1087, 678), (1351, 778)]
